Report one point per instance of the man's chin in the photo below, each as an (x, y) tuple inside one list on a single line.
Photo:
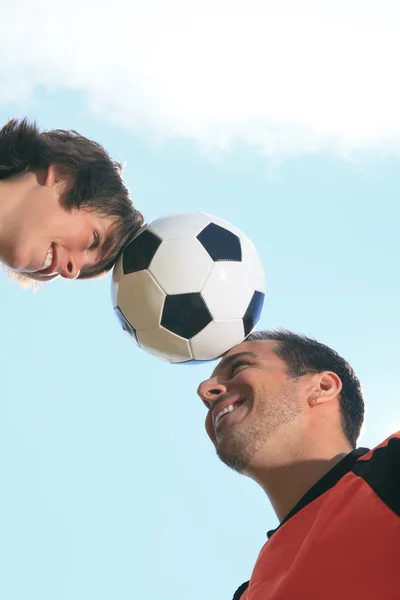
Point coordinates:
[(234, 462), (231, 454)]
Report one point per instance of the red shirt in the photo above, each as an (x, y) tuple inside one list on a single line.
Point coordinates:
[(342, 540)]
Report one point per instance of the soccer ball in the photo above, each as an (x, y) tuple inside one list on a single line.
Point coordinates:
[(188, 287)]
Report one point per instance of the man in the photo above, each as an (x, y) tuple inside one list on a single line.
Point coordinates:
[(64, 207), (286, 411)]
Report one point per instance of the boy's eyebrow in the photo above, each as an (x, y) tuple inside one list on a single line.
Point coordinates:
[(106, 246), (105, 253), (225, 362), (101, 255)]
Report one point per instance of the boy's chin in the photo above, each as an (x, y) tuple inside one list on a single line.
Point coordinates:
[(36, 276)]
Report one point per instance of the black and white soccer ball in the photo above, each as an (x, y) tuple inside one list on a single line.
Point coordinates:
[(188, 287)]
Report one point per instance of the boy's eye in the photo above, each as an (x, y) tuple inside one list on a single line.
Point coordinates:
[(95, 241)]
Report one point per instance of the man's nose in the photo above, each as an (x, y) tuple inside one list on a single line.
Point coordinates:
[(210, 391)]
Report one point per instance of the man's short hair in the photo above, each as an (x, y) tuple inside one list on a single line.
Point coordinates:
[(304, 355), (98, 183)]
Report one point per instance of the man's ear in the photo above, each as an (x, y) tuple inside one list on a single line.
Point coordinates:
[(327, 386)]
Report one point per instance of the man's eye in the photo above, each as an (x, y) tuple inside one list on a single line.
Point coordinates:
[(238, 364), (96, 241)]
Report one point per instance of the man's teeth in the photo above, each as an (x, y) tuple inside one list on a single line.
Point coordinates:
[(48, 260), (223, 412)]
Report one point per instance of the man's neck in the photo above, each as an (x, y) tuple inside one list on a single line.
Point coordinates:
[(286, 477), (285, 486)]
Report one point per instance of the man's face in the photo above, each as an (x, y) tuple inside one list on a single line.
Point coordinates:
[(250, 401)]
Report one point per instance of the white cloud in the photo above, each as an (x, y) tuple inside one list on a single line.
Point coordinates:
[(287, 76)]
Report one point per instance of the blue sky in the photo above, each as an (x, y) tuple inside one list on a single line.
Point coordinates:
[(109, 486)]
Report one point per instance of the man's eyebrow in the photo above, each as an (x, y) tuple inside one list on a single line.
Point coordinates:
[(225, 362)]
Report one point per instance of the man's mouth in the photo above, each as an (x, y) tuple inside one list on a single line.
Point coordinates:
[(227, 409)]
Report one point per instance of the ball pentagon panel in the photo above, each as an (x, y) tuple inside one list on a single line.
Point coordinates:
[(181, 266), (185, 314), (225, 225), (141, 299), (253, 312), (140, 252), (117, 275), (126, 326), (220, 243)]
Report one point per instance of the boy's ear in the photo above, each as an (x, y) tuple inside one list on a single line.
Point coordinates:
[(52, 176), (55, 177)]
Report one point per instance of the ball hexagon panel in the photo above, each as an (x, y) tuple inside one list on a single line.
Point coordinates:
[(185, 314), (253, 312), (117, 275), (253, 265), (185, 224), (140, 252), (181, 266), (141, 299), (220, 243), (164, 344), (126, 326), (216, 339), (227, 291)]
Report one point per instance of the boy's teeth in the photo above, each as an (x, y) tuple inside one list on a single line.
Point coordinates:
[(47, 260)]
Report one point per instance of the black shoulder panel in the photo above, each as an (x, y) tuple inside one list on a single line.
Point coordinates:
[(382, 473), (239, 592)]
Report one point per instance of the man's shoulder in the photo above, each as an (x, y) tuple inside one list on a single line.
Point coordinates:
[(391, 440), (238, 595), (380, 469), (387, 450)]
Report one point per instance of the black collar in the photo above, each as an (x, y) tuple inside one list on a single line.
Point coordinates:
[(326, 482)]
